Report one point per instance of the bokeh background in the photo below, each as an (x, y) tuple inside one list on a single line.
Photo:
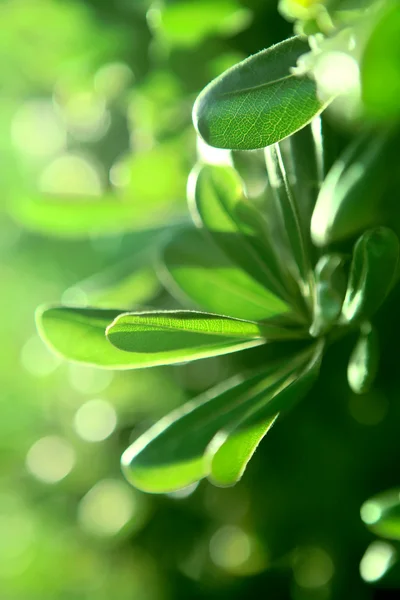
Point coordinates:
[(96, 143)]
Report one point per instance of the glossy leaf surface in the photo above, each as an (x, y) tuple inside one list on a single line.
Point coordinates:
[(350, 198), (364, 360), (242, 109), (372, 273), (329, 293)]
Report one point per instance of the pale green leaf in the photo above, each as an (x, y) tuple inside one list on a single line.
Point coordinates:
[(380, 66), (364, 360), (204, 274), (190, 22), (218, 204), (259, 101), (381, 514), (78, 334)]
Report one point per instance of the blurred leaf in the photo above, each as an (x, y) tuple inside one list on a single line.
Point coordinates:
[(171, 454), (217, 202), (169, 337), (130, 282), (351, 195), (364, 360), (381, 514), (156, 177), (329, 293), (380, 66), (372, 273), (232, 448), (79, 334), (189, 23), (81, 217), (243, 108), (207, 276)]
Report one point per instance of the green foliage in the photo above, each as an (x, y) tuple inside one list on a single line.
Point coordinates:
[(380, 66), (242, 108), (285, 282)]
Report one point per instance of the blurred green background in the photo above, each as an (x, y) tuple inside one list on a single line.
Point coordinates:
[(96, 144)]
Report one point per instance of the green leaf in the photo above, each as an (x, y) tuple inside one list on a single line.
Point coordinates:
[(293, 237), (380, 66), (171, 455), (218, 204), (329, 293), (78, 334), (364, 360), (372, 273), (230, 461), (131, 282), (189, 23), (259, 101), (381, 514), (77, 217), (202, 272), (169, 337), (302, 157), (74, 216), (351, 196), (232, 448)]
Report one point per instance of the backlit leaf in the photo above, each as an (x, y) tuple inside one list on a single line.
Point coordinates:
[(78, 334), (218, 204), (171, 454), (259, 101), (232, 448), (206, 275), (169, 337)]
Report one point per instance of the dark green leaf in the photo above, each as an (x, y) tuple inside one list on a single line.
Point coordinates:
[(259, 101), (351, 195), (372, 273)]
